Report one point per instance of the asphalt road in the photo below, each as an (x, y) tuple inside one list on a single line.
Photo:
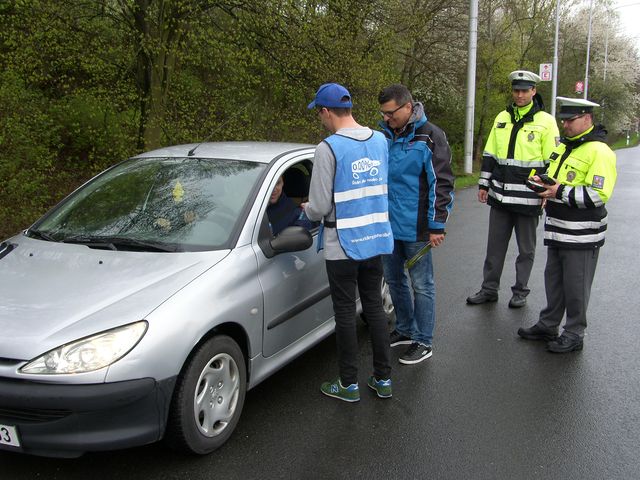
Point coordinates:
[(487, 405)]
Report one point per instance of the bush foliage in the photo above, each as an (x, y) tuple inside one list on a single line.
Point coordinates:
[(87, 83)]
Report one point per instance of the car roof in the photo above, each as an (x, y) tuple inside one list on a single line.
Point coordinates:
[(261, 152)]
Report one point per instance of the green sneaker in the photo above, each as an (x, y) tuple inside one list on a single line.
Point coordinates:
[(382, 387), (336, 390)]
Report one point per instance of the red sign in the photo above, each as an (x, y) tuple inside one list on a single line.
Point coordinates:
[(579, 87)]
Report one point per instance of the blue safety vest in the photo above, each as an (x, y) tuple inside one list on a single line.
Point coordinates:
[(360, 195)]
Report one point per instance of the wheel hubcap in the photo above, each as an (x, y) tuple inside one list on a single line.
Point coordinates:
[(216, 395), (387, 303)]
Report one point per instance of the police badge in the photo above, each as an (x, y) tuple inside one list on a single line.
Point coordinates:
[(598, 182), (530, 137), (571, 175)]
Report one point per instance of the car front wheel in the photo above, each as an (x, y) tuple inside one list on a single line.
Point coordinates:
[(208, 398)]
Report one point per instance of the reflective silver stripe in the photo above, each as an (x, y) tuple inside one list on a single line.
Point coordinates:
[(517, 187), (514, 200), (521, 163), (579, 196), (487, 154), (483, 182), (595, 198), (569, 225), (359, 193), (486, 175), (562, 237), (362, 220)]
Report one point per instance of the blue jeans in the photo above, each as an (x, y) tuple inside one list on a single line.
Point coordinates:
[(415, 317)]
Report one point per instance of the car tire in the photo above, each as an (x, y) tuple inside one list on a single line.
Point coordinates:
[(208, 398), (387, 304)]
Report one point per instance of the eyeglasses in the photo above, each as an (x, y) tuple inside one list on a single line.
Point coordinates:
[(390, 114), (567, 120)]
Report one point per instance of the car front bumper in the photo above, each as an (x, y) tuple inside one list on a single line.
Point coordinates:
[(68, 420)]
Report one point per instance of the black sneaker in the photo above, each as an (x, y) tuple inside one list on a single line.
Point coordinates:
[(396, 338), (416, 353), (565, 344)]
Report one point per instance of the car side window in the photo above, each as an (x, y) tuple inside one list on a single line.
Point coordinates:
[(291, 189)]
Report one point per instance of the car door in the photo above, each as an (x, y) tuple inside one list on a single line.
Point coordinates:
[(294, 284)]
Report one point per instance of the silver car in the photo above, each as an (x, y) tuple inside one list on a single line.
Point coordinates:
[(146, 303)]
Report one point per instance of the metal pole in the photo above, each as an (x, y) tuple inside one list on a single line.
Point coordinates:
[(554, 81), (604, 75), (586, 73), (471, 86)]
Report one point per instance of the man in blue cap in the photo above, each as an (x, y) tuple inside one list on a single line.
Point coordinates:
[(348, 192)]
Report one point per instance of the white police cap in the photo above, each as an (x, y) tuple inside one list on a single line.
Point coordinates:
[(523, 79), (571, 107)]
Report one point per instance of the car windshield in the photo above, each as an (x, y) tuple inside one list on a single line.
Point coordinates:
[(161, 204)]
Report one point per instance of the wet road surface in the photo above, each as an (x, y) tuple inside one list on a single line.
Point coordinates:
[(487, 405)]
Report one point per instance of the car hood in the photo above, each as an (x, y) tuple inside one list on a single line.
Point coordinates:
[(54, 293)]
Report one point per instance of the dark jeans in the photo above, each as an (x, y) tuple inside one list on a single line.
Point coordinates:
[(344, 276)]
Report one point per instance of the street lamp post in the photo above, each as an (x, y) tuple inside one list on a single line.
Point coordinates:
[(471, 86), (586, 73), (606, 52), (554, 80)]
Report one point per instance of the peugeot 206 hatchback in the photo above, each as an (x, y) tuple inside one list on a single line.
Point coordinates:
[(146, 303)]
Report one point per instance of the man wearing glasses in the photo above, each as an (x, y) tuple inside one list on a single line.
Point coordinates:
[(583, 174), (521, 140), (420, 199)]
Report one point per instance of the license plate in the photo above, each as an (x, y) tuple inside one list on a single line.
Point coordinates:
[(9, 436)]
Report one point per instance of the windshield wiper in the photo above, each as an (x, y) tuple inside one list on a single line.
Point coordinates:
[(132, 242), (94, 242), (41, 235), (116, 243)]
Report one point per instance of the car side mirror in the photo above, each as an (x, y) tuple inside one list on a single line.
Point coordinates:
[(291, 239)]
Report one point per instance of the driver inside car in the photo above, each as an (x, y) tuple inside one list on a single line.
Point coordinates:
[(283, 212)]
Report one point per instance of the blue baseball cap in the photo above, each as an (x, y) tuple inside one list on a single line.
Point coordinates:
[(332, 95)]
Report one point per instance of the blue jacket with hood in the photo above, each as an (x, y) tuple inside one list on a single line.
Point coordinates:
[(420, 183)]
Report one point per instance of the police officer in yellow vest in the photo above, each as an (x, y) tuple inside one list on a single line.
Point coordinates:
[(522, 138), (584, 170)]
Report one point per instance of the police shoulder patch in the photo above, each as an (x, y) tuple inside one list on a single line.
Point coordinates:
[(598, 182), (501, 124), (554, 155)]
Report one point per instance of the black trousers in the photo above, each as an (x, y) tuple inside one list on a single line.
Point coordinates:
[(365, 275)]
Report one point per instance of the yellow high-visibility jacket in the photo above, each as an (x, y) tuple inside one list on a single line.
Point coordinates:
[(586, 168), (512, 150)]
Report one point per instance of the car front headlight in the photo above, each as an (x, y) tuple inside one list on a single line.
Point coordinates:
[(90, 353)]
